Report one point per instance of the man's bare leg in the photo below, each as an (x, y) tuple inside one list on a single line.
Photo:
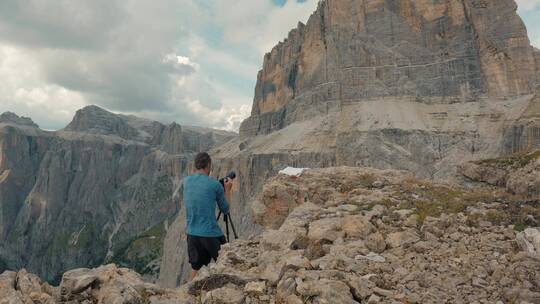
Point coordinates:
[(193, 275)]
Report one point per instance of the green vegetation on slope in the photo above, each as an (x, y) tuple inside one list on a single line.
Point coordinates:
[(428, 199), (142, 252), (513, 161)]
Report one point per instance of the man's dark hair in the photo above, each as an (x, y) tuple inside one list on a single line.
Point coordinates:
[(202, 160)]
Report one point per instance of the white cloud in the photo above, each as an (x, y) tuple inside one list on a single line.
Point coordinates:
[(179, 62), (235, 65), (228, 118), (536, 43), (127, 65), (237, 106), (260, 24), (281, 21), (24, 91)]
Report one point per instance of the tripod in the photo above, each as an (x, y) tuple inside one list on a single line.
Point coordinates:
[(227, 219)]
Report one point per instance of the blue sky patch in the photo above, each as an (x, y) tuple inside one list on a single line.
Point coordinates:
[(532, 21)]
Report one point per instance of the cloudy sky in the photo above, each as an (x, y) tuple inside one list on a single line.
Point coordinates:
[(189, 61)]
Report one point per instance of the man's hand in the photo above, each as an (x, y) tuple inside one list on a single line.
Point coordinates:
[(228, 185)]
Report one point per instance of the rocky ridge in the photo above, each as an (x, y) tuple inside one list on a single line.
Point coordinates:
[(12, 118), (100, 190), (346, 235), (518, 173)]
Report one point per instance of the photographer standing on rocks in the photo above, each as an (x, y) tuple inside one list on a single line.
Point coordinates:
[(201, 193)]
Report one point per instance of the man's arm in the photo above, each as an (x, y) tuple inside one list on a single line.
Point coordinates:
[(228, 190), (222, 199), (178, 194), (228, 197)]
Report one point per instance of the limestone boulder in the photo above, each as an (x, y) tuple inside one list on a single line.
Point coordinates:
[(255, 288), (25, 288), (325, 229), (357, 226), (375, 242), (327, 291), (9, 295), (224, 295), (403, 238), (529, 240), (526, 180)]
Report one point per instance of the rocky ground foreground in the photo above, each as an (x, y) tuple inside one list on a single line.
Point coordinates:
[(345, 235)]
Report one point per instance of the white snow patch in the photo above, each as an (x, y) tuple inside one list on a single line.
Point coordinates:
[(291, 171)]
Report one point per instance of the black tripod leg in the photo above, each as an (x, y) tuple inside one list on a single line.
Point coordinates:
[(219, 215), (232, 226), (227, 226)]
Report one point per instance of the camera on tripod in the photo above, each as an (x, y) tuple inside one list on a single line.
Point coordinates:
[(227, 217), (231, 175)]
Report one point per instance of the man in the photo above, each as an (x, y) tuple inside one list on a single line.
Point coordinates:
[(201, 192)]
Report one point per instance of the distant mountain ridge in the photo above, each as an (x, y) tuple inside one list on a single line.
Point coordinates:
[(99, 190), (12, 118)]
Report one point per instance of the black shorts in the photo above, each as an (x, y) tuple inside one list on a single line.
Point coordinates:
[(201, 250)]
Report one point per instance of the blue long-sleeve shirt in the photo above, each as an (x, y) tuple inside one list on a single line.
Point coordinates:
[(201, 193)]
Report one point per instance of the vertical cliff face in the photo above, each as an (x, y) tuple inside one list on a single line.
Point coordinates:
[(523, 134), (22, 147), (100, 190), (423, 51), (537, 60)]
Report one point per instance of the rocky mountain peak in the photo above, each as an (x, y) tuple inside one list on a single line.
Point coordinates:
[(422, 51), (173, 137), (12, 118), (93, 119), (94, 111)]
